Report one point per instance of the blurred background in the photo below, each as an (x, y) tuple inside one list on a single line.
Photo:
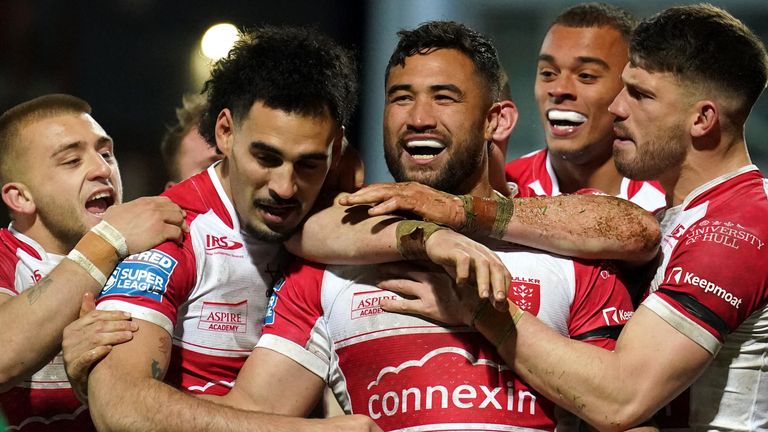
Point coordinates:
[(132, 60)]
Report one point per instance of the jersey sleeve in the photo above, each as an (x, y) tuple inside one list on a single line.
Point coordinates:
[(8, 262), (152, 285), (601, 304), (713, 282), (294, 324), (514, 173), (7, 276)]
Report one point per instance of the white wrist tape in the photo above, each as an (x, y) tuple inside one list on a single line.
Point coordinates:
[(88, 266), (113, 237)]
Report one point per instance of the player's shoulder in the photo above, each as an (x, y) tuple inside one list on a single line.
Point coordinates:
[(299, 269), (720, 230), (11, 244), (193, 194), (533, 158), (636, 186), (8, 245), (649, 195), (530, 173), (8, 258), (738, 204)]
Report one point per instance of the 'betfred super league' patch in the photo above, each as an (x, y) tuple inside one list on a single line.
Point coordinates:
[(145, 274)]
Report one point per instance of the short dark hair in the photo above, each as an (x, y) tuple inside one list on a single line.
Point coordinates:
[(587, 15), (450, 35), (294, 69), (17, 117), (187, 118), (703, 44)]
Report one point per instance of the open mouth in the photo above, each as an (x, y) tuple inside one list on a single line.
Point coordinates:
[(565, 120), (275, 212), (424, 149), (98, 203)]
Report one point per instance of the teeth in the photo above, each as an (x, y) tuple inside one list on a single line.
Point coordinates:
[(100, 196), (425, 143), (571, 116)]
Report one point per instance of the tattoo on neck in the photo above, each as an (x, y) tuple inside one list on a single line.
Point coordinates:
[(37, 291)]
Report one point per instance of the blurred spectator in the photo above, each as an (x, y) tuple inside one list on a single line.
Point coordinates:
[(185, 152)]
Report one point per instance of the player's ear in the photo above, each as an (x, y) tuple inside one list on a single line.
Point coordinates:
[(224, 132), (706, 118), (508, 116), (18, 198), (346, 171), (491, 121)]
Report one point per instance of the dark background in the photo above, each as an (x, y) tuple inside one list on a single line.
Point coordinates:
[(130, 59)]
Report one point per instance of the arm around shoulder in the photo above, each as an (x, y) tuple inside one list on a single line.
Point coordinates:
[(585, 226), (346, 235)]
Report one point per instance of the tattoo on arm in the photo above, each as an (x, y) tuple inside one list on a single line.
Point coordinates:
[(164, 343), (37, 291), (157, 371)]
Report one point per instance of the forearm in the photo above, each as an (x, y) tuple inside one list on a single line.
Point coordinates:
[(344, 235), (598, 385), (35, 319), (33, 322), (126, 393), (585, 226), (131, 405)]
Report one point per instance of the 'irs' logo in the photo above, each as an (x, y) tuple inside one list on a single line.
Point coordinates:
[(213, 242), (675, 274)]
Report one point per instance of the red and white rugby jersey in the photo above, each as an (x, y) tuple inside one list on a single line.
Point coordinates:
[(409, 374), (210, 293), (534, 176), (45, 400), (713, 287)]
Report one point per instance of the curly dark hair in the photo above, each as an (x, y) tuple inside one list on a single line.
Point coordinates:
[(703, 45), (449, 34), (587, 15), (294, 69)]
